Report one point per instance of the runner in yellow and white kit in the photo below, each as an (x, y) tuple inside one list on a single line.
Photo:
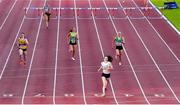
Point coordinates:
[(22, 45)]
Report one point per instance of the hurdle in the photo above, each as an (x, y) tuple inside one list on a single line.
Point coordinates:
[(112, 11)]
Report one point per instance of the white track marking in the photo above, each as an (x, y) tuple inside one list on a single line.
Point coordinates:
[(72, 95), (56, 60), (5, 95), (128, 95), (92, 104), (94, 21), (151, 57), (158, 34), (38, 18), (5, 65), (80, 58), (33, 53), (113, 91), (39, 95), (89, 18), (8, 15), (140, 86), (128, 57), (66, 95), (157, 66), (176, 30)]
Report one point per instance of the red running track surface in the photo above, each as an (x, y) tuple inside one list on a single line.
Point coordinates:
[(150, 70)]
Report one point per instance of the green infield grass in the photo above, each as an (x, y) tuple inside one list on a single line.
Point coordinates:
[(173, 15)]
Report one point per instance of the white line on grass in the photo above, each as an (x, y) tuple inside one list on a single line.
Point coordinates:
[(176, 30)]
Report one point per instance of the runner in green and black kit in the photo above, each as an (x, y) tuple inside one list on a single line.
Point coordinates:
[(119, 41), (72, 35)]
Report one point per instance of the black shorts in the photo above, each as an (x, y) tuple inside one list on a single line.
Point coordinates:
[(119, 47), (72, 43), (106, 75), (48, 15), (24, 50)]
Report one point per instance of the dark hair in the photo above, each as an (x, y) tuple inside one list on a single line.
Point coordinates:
[(71, 30), (110, 59), (22, 33)]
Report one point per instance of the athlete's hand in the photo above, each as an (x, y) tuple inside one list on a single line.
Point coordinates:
[(100, 68)]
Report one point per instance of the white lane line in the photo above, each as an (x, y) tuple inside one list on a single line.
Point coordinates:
[(56, 60), (80, 58), (150, 54), (5, 65), (157, 66), (158, 34), (151, 57), (153, 60), (140, 86), (33, 53), (8, 15), (128, 56), (173, 27), (95, 104), (39, 95), (9, 95), (99, 40)]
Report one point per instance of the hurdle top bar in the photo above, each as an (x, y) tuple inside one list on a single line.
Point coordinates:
[(101, 8)]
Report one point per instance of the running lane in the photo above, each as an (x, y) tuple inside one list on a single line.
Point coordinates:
[(149, 77), (123, 86), (171, 71), (9, 30), (168, 34), (13, 79), (68, 84), (40, 86), (167, 63), (5, 7), (91, 57)]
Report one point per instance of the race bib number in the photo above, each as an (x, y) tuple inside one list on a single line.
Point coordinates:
[(118, 44), (73, 39)]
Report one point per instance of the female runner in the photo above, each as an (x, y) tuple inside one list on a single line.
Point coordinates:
[(119, 41), (22, 45), (47, 14), (73, 37), (106, 67)]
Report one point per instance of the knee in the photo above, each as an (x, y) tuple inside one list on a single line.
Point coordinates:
[(117, 53), (20, 52)]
